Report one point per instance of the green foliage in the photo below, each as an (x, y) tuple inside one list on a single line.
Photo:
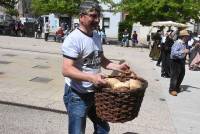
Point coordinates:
[(12, 12), (122, 26), (70, 7), (8, 3), (147, 11)]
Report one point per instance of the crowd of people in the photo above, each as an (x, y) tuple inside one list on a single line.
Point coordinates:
[(63, 31), (173, 50), (37, 29)]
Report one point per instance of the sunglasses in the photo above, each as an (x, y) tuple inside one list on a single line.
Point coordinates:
[(94, 16)]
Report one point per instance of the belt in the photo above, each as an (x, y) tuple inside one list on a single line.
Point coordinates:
[(85, 92)]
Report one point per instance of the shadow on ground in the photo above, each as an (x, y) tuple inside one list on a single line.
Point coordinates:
[(184, 88), (130, 133)]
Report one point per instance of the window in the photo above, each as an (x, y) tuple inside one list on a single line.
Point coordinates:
[(106, 22)]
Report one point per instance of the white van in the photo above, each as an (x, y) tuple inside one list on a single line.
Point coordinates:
[(54, 22), (52, 19)]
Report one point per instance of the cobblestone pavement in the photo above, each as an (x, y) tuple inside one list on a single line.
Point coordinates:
[(30, 74)]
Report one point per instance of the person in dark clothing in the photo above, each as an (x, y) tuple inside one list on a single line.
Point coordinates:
[(38, 30), (178, 55), (155, 50), (160, 57), (46, 30), (16, 28), (166, 49), (21, 28), (162, 42), (134, 38)]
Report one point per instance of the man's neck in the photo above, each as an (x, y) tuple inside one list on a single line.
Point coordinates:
[(87, 31)]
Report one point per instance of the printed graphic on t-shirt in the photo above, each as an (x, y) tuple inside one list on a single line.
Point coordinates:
[(93, 60)]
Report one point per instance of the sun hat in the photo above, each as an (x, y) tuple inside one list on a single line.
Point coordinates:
[(89, 6), (184, 33)]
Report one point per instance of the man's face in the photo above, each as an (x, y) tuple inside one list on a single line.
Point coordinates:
[(90, 20), (185, 38)]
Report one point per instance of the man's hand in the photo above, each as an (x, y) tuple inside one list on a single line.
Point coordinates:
[(186, 51), (124, 68), (98, 80)]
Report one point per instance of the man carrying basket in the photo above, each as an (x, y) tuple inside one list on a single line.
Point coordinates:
[(82, 58)]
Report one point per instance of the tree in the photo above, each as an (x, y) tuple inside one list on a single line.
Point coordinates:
[(70, 7), (12, 12), (8, 3), (55, 6), (147, 11)]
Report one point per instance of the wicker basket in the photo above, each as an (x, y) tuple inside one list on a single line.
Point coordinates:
[(118, 106)]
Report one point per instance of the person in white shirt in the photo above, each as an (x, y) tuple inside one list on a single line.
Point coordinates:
[(82, 59), (46, 30)]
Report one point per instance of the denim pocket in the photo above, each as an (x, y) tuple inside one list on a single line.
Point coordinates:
[(76, 106), (74, 98), (66, 94)]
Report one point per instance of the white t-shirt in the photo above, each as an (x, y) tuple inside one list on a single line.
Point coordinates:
[(163, 39), (46, 27), (86, 51), (190, 42)]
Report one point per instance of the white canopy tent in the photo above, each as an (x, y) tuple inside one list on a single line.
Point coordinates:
[(157, 24), (167, 23)]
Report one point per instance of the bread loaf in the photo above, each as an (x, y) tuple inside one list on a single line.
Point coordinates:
[(112, 81), (130, 84), (135, 84), (119, 85)]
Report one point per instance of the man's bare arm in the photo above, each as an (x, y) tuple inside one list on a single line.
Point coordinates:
[(107, 64), (69, 70)]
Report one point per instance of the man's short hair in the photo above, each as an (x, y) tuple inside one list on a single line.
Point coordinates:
[(89, 6)]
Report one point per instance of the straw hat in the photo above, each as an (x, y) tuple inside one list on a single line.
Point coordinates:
[(184, 33)]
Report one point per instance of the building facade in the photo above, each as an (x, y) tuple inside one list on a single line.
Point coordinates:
[(110, 21)]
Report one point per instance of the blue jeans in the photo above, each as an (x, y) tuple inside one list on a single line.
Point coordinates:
[(79, 106), (125, 42)]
